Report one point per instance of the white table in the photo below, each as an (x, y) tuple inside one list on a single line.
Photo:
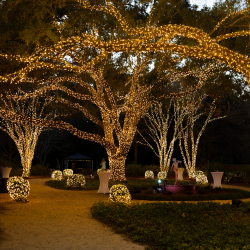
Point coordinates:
[(104, 182), (180, 174), (217, 176)]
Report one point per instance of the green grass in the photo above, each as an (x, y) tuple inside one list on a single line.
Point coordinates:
[(205, 225)]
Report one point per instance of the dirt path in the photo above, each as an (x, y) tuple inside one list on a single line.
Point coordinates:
[(55, 219)]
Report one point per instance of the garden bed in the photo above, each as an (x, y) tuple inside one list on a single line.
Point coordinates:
[(213, 194), (190, 226)]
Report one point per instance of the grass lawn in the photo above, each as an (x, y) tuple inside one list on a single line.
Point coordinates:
[(202, 225)]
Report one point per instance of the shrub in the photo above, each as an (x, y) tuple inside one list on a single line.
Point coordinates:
[(39, 170), (16, 172), (200, 177), (76, 180), (162, 175), (134, 169), (67, 172), (56, 175), (137, 170), (18, 188), (202, 225), (234, 177), (119, 193)]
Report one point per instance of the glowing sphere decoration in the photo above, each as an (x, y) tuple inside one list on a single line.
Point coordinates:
[(119, 193), (149, 174), (76, 180), (57, 175), (18, 188), (162, 175), (67, 172), (200, 177)]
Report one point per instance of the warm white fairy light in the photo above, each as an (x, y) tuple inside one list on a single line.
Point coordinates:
[(131, 106), (162, 175), (57, 175), (187, 142), (158, 123), (67, 172), (200, 178), (76, 180), (149, 174), (23, 132), (119, 193), (18, 188), (139, 40)]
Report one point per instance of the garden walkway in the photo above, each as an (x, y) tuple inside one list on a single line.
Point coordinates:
[(55, 219)]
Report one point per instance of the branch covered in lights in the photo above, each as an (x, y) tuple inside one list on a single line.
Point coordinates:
[(158, 123), (195, 109)]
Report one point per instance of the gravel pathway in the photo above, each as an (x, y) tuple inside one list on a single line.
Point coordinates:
[(55, 219)]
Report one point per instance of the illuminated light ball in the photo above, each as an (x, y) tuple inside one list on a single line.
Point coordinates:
[(149, 174), (76, 180), (162, 175), (200, 177), (67, 172), (119, 193), (57, 175), (18, 188)]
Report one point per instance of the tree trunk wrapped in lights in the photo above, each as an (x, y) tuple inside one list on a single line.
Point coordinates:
[(158, 124), (188, 142), (23, 132), (117, 115)]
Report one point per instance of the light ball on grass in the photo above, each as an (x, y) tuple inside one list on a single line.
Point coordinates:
[(162, 175), (76, 180), (56, 175), (68, 172), (200, 178), (149, 174), (18, 188), (119, 193)]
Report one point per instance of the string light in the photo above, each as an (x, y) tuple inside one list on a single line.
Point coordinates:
[(149, 174), (139, 40), (23, 133), (200, 178), (162, 175), (56, 175), (67, 172), (18, 188), (194, 104), (76, 180), (119, 193)]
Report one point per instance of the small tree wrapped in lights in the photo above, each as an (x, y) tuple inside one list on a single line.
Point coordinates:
[(76, 180), (67, 172), (120, 193), (149, 174), (57, 175), (162, 175), (18, 188), (24, 133)]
